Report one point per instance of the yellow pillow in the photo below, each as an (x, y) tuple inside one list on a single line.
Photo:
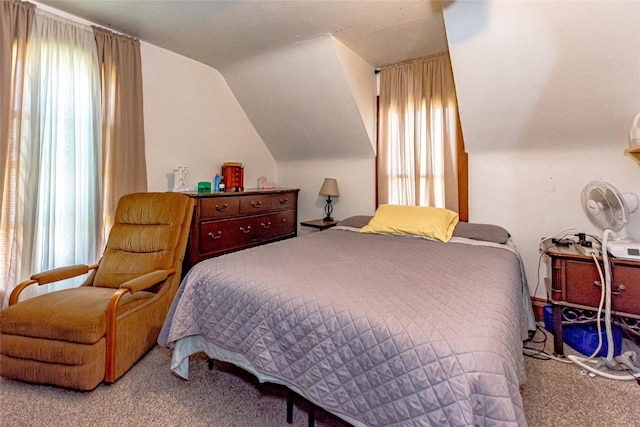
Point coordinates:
[(436, 223)]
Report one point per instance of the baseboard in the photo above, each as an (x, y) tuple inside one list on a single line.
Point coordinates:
[(538, 307)]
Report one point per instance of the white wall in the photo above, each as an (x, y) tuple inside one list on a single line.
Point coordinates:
[(193, 119), (356, 182), (547, 92), (535, 194)]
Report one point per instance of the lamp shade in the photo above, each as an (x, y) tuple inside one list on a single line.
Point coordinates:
[(329, 188)]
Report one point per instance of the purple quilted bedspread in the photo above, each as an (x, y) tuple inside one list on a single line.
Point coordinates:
[(380, 330)]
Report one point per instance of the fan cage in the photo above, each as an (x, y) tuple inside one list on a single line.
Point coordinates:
[(612, 213)]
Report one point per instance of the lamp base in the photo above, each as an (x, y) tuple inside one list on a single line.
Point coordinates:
[(328, 210)]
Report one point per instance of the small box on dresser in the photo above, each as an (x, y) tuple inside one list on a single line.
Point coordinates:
[(228, 222)]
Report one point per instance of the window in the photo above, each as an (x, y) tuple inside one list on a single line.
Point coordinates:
[(64, 166), (55, 154), (64, 121), (418, 138)]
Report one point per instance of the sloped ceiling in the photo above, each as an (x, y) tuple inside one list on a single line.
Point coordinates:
[(221, 33), (299, 100), (545, 75), (281, 58)]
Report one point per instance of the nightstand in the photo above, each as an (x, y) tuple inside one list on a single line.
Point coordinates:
[(575, 288), (319, 224)]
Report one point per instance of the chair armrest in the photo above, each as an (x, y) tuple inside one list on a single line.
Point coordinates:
[(146, 281), (62, 273), (50, 276), (134, 285)]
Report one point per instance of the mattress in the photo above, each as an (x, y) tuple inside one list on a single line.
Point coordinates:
[(379, 330)]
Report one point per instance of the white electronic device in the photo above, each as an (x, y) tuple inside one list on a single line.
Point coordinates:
[(624, 249)]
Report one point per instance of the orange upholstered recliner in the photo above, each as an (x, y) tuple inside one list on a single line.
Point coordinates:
[(77, 338)]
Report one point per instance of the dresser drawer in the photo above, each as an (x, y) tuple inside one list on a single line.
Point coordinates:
[(627, 300), (255, 204), (584, 286), (219, 207), (283, 201), (275, 225), (581, 277), (225, 235)]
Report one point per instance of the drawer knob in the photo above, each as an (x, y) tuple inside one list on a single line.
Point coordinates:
[(256, 204), (221, 208), (621, 288), (217, 236), (283, 201), (267, 225), (246, 230)]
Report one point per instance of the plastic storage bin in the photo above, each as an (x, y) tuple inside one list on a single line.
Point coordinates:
[(584, 338)]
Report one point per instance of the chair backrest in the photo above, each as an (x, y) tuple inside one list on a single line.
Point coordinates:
[(149, 233)]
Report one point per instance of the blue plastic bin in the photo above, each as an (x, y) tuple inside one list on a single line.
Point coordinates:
[(584, 338)]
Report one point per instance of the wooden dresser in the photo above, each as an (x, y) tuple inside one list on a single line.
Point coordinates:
[(575, 290), (228, 222)]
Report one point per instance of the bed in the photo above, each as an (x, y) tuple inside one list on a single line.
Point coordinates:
[(379, 329)]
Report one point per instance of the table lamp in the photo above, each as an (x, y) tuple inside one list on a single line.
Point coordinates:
[(329, 188)]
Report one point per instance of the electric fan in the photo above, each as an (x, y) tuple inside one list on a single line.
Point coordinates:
[(608, 209)]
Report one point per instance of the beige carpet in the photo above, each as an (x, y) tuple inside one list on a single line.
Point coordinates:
[(150, 395), (557, 394)]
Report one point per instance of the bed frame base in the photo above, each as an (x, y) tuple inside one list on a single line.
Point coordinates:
[(312, 411)]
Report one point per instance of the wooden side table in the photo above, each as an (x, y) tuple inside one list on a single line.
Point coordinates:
[(576, 285), (319, 224)]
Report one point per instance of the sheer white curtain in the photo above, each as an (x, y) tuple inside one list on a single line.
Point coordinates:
[(417, 151), (58, 189)]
